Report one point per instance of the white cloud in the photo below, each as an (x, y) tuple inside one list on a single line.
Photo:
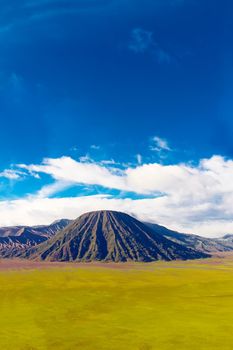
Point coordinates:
[(43, 210), (52, 189), (139, 158), (108, 162), (85, 159), (68, 170), (185, 197), (11, 174), (159, 144)]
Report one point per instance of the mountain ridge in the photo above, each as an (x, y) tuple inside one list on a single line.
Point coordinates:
[(110, 236), (14, 240), (19, 241), (202, 244)]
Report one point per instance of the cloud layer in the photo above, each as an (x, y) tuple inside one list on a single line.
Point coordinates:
[(190, 198)]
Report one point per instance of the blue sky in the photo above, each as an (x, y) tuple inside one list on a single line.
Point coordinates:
[(118, 85)]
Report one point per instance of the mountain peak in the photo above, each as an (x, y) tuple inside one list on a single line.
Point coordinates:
[(107, 235), (61, 222)]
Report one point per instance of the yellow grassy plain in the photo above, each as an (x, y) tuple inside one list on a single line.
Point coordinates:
[(161, 306)]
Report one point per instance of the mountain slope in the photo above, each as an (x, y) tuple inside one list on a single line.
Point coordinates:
[(15, 240), (202, 244), (110, 236), (44, 230)]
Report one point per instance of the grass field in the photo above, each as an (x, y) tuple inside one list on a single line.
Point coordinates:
[(178, 305)]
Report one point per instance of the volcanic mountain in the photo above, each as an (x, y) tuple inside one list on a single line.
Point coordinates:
[(15, 240), (110, 236)]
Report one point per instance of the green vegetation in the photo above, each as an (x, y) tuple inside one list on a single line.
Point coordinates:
[(177, 305)]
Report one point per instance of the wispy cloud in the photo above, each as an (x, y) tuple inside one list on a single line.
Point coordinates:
[(85, 159), (108, 162), (95, 147), (159, 144), (23, 12), (142, 41), (74, 149), (139, 158), (12, 174), (52, 189)]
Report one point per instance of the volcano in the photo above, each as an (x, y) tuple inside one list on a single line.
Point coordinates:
[(110, 236)]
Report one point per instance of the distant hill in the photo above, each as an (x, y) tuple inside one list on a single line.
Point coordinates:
[(202, 244), (44, 230), (110, 236), (14, 240)]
